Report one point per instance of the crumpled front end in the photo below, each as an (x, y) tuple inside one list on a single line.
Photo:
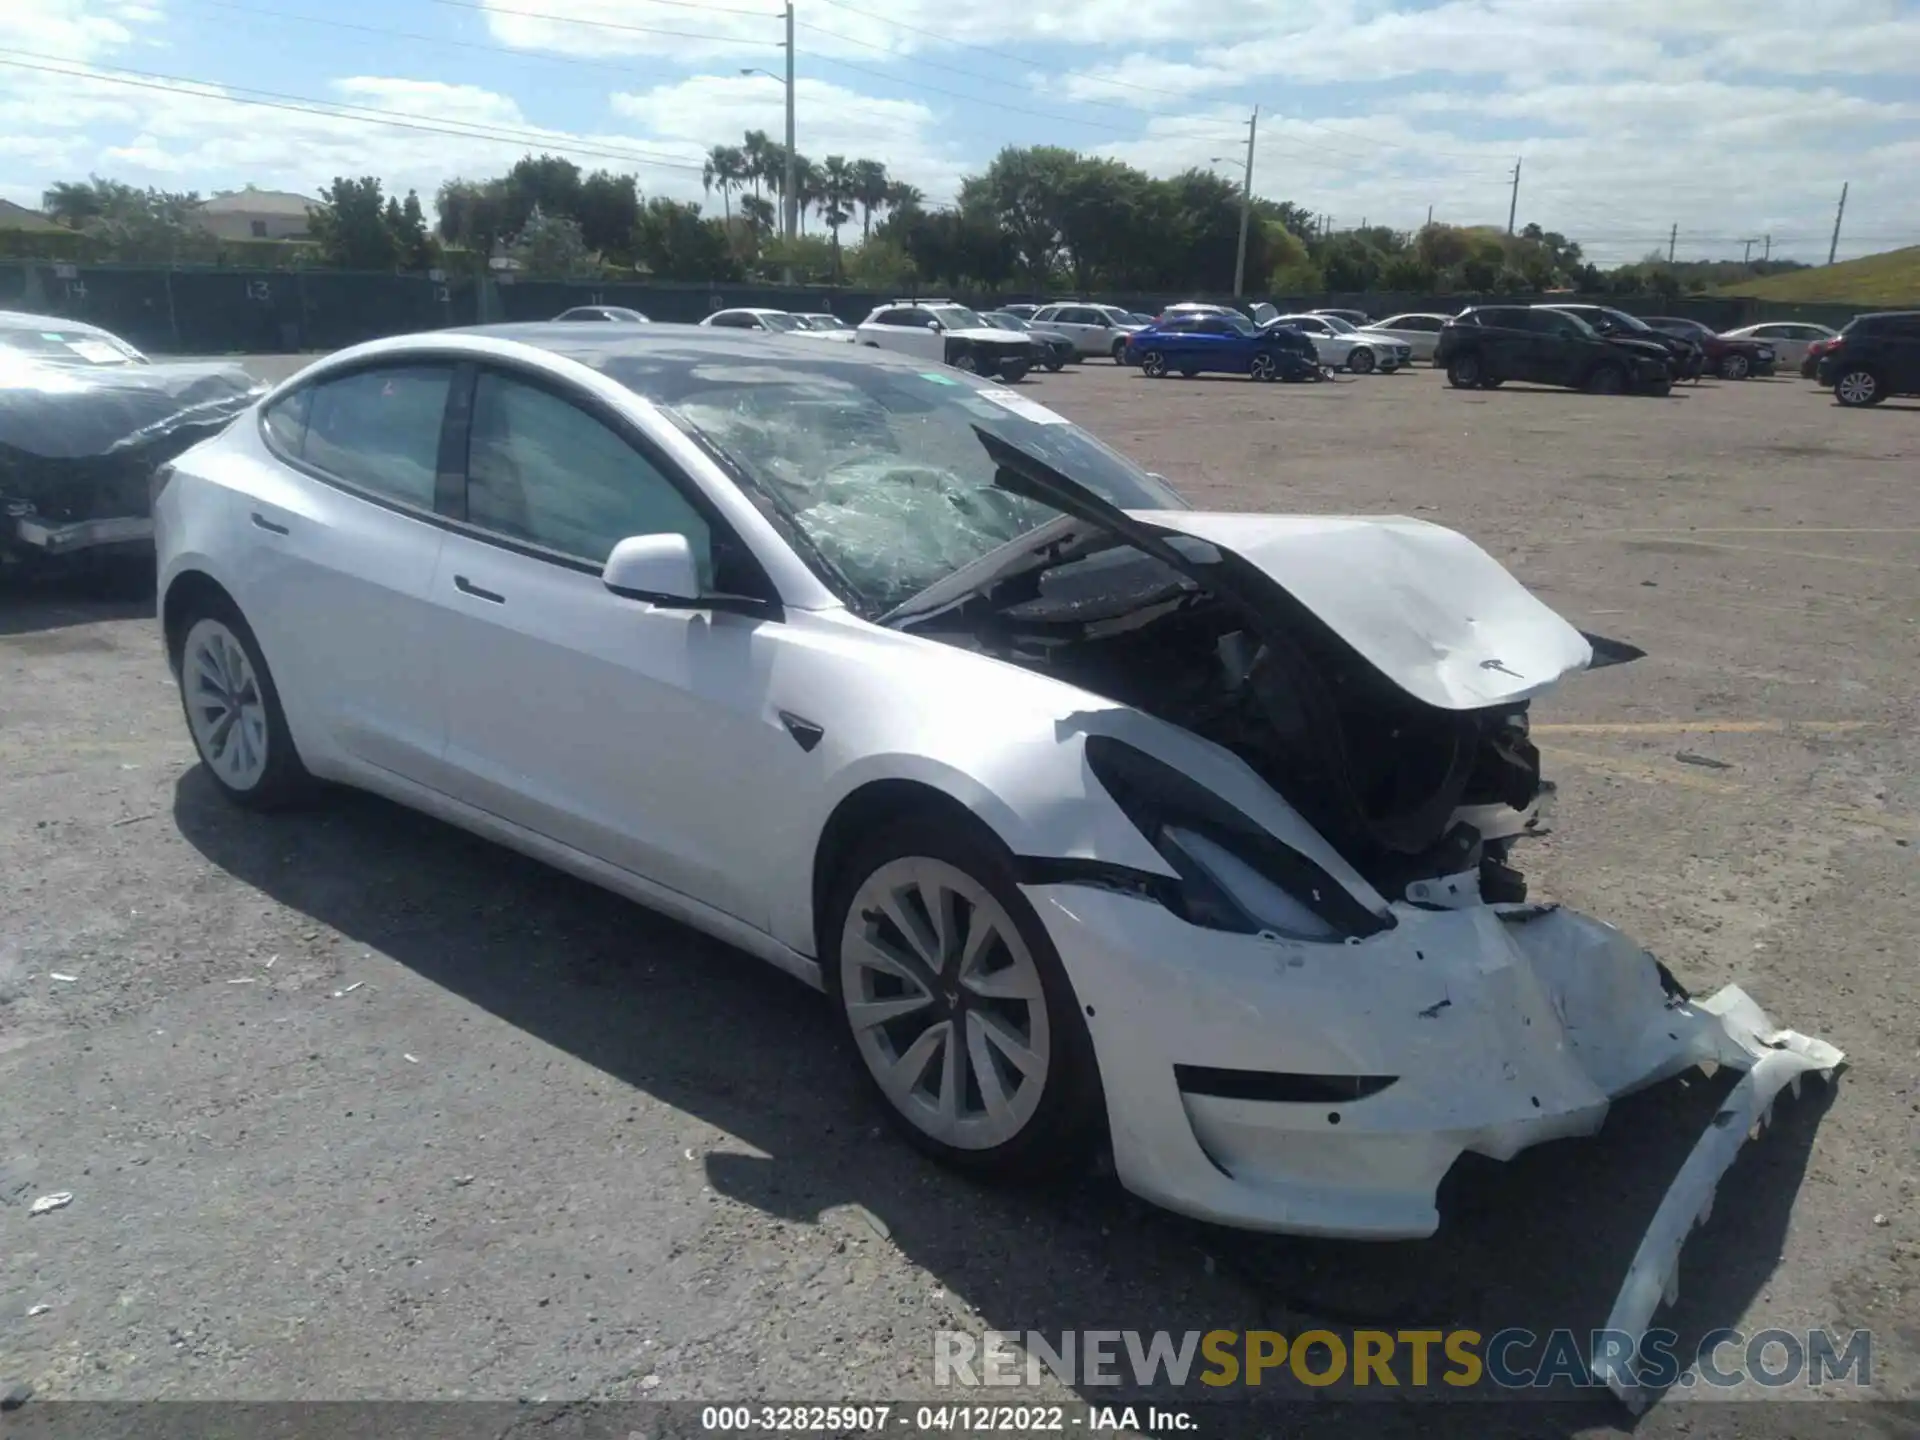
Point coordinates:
[(1326, 1088)]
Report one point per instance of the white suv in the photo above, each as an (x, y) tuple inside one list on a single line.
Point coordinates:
[(948, 334), (1094, 329)]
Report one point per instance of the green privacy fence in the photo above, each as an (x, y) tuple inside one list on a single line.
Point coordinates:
[(197, 310)]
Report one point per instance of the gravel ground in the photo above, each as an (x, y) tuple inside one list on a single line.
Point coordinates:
[(354, 1106)]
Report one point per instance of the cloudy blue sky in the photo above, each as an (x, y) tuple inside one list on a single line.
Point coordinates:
[(1729, 118)]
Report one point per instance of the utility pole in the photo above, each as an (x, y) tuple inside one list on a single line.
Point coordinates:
[(792, 216), (1513, 206), (1746, 256), (1429, 215), (1673, 238), (1246, 208), (1834, 248), (1769, 255)]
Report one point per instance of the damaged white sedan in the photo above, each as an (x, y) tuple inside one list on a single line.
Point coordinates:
[(1100, 819)]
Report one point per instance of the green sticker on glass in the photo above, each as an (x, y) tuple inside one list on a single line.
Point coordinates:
[(938, 379)]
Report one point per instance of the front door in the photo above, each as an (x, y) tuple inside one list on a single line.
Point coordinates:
[(644, 736)]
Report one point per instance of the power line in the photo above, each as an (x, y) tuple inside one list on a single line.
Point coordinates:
[(301, 105), (548, 16)]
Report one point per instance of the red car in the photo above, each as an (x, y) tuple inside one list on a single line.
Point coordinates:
[(1810, 366), (1728, 356)]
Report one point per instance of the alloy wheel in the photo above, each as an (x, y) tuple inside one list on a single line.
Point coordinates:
[(226, 708), (1263, 367), (1857, 387), (1153, 364), (945, 1003)]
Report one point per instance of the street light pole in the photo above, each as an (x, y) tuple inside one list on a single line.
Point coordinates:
[(1246, 209), (793, 200)]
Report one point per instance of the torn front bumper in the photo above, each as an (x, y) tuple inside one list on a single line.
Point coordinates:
[(56, 538), (1326, 1089)]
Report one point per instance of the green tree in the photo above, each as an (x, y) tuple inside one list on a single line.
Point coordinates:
[(551, 247), (351, 227), (75, 203), (837, 186), (675, 242), (760, 213), (608, 208), (725, 169), (1442, 247), (870, 187)]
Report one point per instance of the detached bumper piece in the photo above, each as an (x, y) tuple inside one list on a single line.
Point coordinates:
[(64, 539), (1327, 1088)]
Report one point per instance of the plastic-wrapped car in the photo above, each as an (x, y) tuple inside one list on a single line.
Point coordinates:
[(85, 420)]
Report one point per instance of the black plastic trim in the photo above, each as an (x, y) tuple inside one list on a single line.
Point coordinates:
[(1278, 1087)]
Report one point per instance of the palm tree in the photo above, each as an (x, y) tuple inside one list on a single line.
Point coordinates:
[(869, 192), (758, 212), (902, 196), (73, 203), (725, 168), (758, 153), (838, 185), (806, 186)]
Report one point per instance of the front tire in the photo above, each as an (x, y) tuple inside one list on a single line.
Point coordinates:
[(970, 363), (1360, 360), (955, 1003), (1264, 368), (1610, 380), (1858, 387), (1119, 351), (1012, 370), (1055, 364), (1735, 367), (1464, 372), (233, 711), (1153, 365)]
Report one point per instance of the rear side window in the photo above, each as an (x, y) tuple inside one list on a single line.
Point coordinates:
[(286, 421), (377, 430)]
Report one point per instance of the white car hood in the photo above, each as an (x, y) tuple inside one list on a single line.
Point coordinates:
[(1424, 605)]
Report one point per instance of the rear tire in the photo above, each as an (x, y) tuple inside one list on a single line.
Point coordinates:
[(1465, 372), (1858, 387), (1119, 351), (1264, 368), (903, 925), (233, 711), (1608, 380)]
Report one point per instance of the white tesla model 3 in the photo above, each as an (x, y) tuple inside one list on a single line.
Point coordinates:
[(1100, 819)]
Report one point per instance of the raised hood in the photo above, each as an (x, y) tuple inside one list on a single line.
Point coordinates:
[(1425, 606)]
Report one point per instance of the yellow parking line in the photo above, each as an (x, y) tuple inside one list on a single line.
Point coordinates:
[(1702, 727)]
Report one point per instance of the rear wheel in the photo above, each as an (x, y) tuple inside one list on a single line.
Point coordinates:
[(1153, 365), (1608, 380), (1464, 372), (1735, 367), (1264, 367), (233, 711), (1011, 370), (1360, 360), (956, 1004), (1858, 387)]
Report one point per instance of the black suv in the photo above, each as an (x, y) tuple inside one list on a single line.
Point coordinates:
[(1486, 345), (1876, 356), (1689, 359)]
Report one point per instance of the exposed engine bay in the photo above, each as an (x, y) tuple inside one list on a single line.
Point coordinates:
[(1405, 790)]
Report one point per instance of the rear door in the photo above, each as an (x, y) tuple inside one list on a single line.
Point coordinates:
[(346, 538), (644, 736)]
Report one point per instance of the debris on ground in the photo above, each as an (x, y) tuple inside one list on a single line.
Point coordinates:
[(340, 994), (1881, 1221), (1691, 757), (410, 1059), (16, 1396), (33, 1310), (63, 979), (460, 1182), (57, 1201), (245, 980)]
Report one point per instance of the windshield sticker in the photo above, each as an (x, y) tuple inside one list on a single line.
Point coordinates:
[(938, 379), (53, 335), (1021, 406), (97, 352)]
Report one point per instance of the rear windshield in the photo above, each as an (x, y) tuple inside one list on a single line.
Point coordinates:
[(71, 347)]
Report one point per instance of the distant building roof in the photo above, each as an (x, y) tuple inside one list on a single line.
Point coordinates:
[(259, 202), (19, 217)]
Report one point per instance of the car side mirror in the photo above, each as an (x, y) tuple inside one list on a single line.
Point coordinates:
[(657, 568), (935, 325)]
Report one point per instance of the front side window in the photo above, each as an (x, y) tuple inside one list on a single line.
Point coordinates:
[(379, 430), (782, 323), (543, 471), (957, 317)]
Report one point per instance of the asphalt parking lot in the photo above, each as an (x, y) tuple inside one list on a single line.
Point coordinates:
[(352, 1105)]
